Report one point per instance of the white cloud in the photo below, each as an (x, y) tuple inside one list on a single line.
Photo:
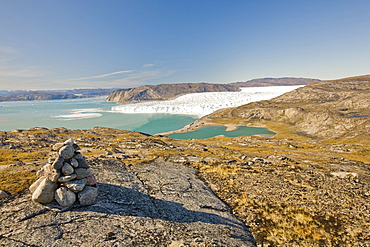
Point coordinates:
[(21, 71), (148, 65), (133, 79), (8, 49), (104, 75)]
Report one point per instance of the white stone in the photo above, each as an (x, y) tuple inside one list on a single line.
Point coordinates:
[(44, 193), (69, 142), (67, 178), (65, 197)]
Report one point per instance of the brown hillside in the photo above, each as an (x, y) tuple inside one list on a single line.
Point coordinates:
[(324, 109), (166, 91)]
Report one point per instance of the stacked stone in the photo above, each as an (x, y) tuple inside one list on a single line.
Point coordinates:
[(66, 179)]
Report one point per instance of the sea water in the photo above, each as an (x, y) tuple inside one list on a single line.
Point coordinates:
[(148, 117), (212, 131), (84, 113)]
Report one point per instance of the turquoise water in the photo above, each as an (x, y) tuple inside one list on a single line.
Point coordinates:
[(84, 114), (212, 131), (90, 112)]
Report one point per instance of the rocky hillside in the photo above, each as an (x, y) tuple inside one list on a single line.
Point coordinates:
[(170, 91), (155, 191), (165, 91), (333, 109), (268, 82)]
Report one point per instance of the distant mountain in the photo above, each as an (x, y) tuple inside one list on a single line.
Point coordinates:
[(22, 95), (166, 91), (267, 82)]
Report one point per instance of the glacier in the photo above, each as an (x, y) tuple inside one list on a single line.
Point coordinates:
[(201, 104)]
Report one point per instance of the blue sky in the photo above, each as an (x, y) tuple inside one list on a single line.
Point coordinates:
[(54, 44)]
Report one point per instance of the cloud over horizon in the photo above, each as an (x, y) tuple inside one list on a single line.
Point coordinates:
[(102, 76)]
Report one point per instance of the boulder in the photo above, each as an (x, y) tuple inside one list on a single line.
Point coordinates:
[(49, 172), (91, 180), (69, 142), (88, 196), (58, 163), (44, 192), (82, 173), (67, 152), (67, 178), (81, 162), (74, 162), (57, 146), (76, 185), (36, 184), (65, 197), (67, 169)]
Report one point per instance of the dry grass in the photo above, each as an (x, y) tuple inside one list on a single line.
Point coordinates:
[(17, 178)]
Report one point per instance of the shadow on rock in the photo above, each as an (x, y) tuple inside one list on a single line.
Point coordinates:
[(120, 200)]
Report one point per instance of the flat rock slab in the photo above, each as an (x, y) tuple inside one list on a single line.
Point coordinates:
[(155, 203)]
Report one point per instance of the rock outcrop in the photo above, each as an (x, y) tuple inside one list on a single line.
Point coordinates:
[(155, 203), (165, 91), (290, 193)]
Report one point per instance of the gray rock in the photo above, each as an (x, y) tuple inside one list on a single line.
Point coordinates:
[(82, 172), (57, 146), (4, 194), (67, 152), (49, 172), (67, 178), (76, 147), (74, 162), (65, 197), (67, 169), (146, 204), (88, 196), (78, 156), (58, 163), (44, 192), (82, 162), (76, 185)]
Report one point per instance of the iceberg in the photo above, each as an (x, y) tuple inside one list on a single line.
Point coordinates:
[(201, 104), (81, 114)]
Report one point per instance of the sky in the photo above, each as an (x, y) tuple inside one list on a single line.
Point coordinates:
[(54, 44)]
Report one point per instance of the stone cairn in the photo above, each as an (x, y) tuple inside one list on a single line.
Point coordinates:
[(67, 178)]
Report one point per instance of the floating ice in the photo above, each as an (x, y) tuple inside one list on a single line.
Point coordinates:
[(81, 114), (205, 103)]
